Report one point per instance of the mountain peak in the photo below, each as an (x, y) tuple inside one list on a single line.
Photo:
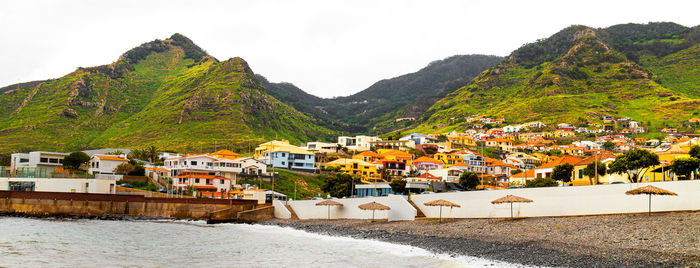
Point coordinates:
[(192, 51)]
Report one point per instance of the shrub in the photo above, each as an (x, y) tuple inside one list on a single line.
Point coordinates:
[(541, 182)]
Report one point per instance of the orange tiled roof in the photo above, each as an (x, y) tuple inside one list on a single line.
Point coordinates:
[(369, 153), (427, 159), (157, 169), (111, 157), (199, 176), (429, 176), (561, 160), (499, 140), (602, 155), (527, 174)]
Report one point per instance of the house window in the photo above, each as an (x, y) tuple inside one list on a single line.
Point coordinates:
[(222, 182), (53, 160), (194, 163), (24, 160), (196, 180), (208, 181), (44, 160)]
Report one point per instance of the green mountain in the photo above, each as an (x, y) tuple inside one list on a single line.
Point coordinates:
[(168, 93), (375, 109), (648, 72)]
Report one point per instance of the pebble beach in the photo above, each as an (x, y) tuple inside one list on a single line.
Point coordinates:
[(659, 240)]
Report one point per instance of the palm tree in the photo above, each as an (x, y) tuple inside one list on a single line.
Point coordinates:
[(383, 173), (152, 153)]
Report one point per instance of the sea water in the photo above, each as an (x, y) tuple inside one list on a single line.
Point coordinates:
[(26, 242)]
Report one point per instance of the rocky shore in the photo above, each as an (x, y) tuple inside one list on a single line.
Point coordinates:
[(659, 240)]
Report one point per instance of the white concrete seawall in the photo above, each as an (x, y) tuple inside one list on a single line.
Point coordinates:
[(565, 201), (401, 210), (551, 201)]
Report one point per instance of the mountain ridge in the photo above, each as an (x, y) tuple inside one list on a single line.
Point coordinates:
[(167, 93), (571, 75)]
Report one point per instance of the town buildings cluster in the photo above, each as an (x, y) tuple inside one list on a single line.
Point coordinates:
[(501, 155)]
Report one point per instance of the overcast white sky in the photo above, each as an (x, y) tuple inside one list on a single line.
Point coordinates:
[(327, 48)]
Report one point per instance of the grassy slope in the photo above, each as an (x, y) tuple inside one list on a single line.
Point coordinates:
[(679, 71), (211, 103), (164, 98), (306, 187), (589, 79)]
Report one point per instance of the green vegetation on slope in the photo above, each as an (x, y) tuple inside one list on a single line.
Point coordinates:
[(166, 93), (306, 187), (574, 75), (374, 110)]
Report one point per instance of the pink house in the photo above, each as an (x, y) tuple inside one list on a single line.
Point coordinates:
[(202, 181)]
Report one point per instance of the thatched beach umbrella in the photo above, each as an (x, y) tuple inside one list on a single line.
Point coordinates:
[(649, 190), (329, 203), (373, 206), (441, 203), (511, 199)]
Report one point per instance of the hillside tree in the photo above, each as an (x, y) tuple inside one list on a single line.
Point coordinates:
[(398, 186), (340, 185), (695, 151), (563, 172), (685, 166), (590, 171), (469, 180), (609, 146), (634, 163), (75, 159)]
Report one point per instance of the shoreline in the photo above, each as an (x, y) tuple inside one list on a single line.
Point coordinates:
[(82, 217), (492, 239), (534, 249)]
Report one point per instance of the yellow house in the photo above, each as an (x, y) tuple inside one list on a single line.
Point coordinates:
[(270, 146), (563, 133), (449, 159), (605, 157), (396, 155), (543, 157), (524, 136), (366, 171), (367, 156), (226, 154), (464, 140), (502, 144)]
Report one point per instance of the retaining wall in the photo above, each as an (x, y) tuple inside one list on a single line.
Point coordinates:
[(81, 204)]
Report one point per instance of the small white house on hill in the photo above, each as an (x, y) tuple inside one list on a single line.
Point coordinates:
[(105, 164)]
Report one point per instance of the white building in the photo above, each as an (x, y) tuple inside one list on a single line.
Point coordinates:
[(450, 174), (357, 143), (260, 195), (511, 129), (105, 164), (202, 181), (322, 147), (94, 186), (418, 138), (46, 162), (211, 165)]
